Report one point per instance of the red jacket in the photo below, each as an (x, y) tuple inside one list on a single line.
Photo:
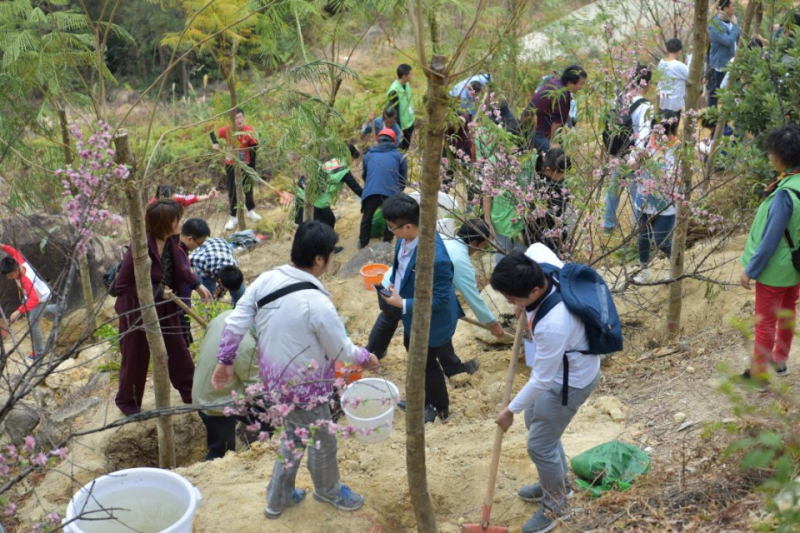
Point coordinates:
[(33, 289), (184, 199), (244, 140)]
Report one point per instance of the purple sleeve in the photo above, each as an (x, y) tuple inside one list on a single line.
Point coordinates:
[(228, 344), (362, 355)]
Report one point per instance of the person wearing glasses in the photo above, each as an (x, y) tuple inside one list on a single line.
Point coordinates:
[(402, 218)]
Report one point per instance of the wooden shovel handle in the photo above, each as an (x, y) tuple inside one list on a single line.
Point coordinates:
[(474, 322), (498, 435), (188, 310)]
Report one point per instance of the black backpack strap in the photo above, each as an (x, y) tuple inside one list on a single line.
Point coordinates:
[(637, 104), (289, 289), (788, 237), (565, 379)]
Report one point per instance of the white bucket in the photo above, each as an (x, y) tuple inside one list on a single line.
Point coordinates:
[(369, 406), (148, 500)]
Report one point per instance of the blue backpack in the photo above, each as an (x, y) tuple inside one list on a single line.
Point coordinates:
[(586, 295)]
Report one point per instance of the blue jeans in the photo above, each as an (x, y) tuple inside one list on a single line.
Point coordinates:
[(211, 285), (658, 232), (613, 195), (541, 143)]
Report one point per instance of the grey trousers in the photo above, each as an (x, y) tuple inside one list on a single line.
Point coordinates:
[(546, 421), (321, 462), (508, 245), (34, 319)]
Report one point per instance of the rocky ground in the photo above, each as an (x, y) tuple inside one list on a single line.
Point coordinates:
[(651, 395)]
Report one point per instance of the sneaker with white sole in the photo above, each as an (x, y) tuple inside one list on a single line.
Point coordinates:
[(781, 370), (298, 496), (232, 222), (540, 522), (535, 493), (346, 500), (252, 215), (643, 276)]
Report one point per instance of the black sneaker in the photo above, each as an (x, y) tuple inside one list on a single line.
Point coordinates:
[(443, 413), (337, 250), (470, 367), (430, 414), (781, 370), (401, 405), (760, 384)]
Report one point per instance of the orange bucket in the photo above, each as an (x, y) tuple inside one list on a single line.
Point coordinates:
[(350, 372), (373, 275)]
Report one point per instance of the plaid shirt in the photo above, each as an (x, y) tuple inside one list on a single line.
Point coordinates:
[(211, 256)]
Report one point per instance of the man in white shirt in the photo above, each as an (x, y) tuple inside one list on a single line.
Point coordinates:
[(300, 338), (557, 336), (672, 75)]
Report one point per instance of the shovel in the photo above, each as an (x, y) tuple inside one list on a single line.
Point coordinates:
[(186, 309), (484, 526)]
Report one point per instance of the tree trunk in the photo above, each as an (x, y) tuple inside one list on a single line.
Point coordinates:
[(759, 17), (423, 294), (308, 207), (682, 213), (144, 290), (83, 261)]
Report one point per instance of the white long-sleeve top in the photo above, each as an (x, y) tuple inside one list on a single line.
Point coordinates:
[(641, 118), (557, 333), (300, 336)]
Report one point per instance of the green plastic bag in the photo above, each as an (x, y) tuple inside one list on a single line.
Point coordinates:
[(610, 466), (378, 225)]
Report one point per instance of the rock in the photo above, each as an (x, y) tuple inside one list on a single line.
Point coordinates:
[(461, 380), (43, 240), (382, 253), (649, 450), (607, 404), (679, 417), (616, 414), (472, 411), (495, 391), (498, 305), (20, 422), (690, 369)]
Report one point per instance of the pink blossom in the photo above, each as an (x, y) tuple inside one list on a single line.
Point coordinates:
[(30, 444), (60, 453)]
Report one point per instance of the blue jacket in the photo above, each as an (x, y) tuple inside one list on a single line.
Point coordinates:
[(723, 43), (384, 171), (446, 310)]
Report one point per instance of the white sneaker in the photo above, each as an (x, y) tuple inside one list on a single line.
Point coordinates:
[(643, 276), (232, 222), (252, 215)]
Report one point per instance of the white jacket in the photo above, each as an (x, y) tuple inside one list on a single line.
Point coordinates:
[(300, 336)]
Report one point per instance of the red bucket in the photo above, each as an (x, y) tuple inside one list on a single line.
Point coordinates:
[(350, 372)]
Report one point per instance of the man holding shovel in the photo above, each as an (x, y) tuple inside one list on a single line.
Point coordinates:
[(559, 338)]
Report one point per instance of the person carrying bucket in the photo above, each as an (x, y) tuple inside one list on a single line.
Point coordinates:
[(300, 337), (563, 374)]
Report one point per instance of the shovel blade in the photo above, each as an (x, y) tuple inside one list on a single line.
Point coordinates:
[(477, 528)]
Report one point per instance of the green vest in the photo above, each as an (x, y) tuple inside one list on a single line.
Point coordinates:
[(504, 205), (405, 104), (779, 271), (334, 172)]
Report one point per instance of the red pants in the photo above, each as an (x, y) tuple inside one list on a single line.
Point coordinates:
[(775, 313)]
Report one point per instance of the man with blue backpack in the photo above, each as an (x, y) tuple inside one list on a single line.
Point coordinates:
[(572, 320)]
